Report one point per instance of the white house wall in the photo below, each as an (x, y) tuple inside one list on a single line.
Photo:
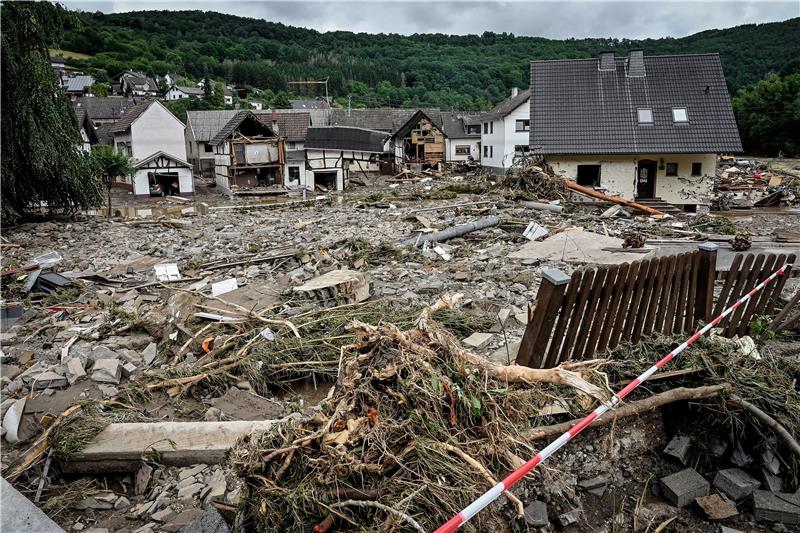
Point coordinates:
[(158, 130), (618, 174), (503, 137), (474, 149), (141, 182)]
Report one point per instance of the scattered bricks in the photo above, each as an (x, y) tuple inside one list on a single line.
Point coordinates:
[(536, 514), (75, 371), (477, 341), (106, 371), (336, 288), (736, 483), (683, 487), (569, 518), (680, 447), (717, 507), (776, 507)]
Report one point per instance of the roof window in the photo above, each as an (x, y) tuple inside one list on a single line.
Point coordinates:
[(679, 114), (645, 115)]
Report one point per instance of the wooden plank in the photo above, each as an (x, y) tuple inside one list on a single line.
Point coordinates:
[(591, 307), (736, 292), (733, 272), (120, 447), (750, 281), (705, 281), (601, 315), (577, 315), (565, 313), (749, 312), (558, 280), (781, 282), (683, 295), (611, 315), (671, 294), (762, 308), (615, 199), (778, 320), (636, 297), (540, 326), (665, 283), (632, 277), (691, 295), (651, 292)]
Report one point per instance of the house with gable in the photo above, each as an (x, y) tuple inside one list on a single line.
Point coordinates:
[(137, 84), (505, 132), (463, 136), (648, 128), (153, 139), (176, 92)]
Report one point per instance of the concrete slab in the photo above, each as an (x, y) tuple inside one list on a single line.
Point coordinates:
[(579, 247), (336, 288), (18, 513)]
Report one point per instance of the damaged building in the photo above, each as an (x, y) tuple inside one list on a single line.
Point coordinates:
[(648, 128), (334, 152)]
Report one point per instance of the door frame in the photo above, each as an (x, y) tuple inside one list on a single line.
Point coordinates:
[(649, 164)]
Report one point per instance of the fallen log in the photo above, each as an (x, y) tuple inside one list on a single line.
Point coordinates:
[(633, 408), (569, 184), (120, 447), (455, 231)]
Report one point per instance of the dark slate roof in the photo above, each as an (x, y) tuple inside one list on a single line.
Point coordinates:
[(85, 123), (139, 80), (310, 104), (346, 138), (577, 108), (104, 107), (455, 124), (129, 116), (380, 118), (206, 124), (508, 105), (104, 134)]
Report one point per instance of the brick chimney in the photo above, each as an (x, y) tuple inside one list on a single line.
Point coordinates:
[(607, 61), (514, 91), (275, 123), (635, 63)]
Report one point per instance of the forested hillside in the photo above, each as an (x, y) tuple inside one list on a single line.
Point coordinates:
[(468, 72)]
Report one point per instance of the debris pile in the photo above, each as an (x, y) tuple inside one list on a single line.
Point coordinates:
[(532, 179)]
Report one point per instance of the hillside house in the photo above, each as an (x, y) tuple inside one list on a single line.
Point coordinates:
[(133, 83), (463, 130), (248, 153), (104, 109), (334, 152), (180, 92), (78, 85), (643, 127), (153, 139), (505, 131)]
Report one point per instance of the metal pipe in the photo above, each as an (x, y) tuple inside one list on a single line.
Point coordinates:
[(455, 231)]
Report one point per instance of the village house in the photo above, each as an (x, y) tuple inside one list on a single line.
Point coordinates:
[(463, 141), (644, 127), (153, 139), (505, 132), (334, 152), (88, 132), (78, 85), (133, 83), (228, 96), (180, 92), (104, 109)]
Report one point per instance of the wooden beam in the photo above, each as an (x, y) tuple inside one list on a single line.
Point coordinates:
[(120, 447), (614, 199)]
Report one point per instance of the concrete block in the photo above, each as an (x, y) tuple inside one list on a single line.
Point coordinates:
[(776, 507), (49, 380), (683, 487), (336, 288), (536, 514), (680, 448), (107, 371), (478, 340), (737, 484), (20, 514)]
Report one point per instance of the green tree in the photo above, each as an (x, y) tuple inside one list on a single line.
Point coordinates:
[(112, 165), (207, 87), (42, 162), (100, 89), (768, 114)]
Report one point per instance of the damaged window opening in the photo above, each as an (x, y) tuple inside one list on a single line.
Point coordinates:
[(589, 175), (672, 169), (697, 169), (522, 149), (294, 174), (208, 148)]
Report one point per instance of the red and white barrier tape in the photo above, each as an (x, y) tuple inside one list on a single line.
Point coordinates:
[(495, 492)]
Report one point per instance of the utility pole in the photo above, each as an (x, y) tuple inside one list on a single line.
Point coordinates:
[(107, 181), (349, 99)]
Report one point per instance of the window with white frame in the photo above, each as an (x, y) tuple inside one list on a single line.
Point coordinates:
[(679, 114), (645, 115), (523, 125)]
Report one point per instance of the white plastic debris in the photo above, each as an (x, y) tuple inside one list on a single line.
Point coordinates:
[(224, 286), (442, 252), (12, 419), (535, 231), (268, 334), (167, 272)]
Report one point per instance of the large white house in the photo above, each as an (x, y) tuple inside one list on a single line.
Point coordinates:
[(505, 132), (644, 127), (179, 93), (153, 138)]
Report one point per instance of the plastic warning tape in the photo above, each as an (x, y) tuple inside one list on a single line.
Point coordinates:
[(495, 492)]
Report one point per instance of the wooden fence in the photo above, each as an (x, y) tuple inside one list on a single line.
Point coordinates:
[(596, 309)]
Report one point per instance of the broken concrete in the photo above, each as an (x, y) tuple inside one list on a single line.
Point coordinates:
[(776, 507), (336, 288), (20, 514), (107, 371), (736, 483), (717, 507), (579, 247)]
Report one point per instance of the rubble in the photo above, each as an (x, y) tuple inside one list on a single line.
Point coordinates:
[(683, 487)]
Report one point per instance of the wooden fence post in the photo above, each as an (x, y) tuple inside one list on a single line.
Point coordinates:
[(706, 275), (537, 333)]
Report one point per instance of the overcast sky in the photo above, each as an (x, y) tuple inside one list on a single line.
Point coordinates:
[(634, 19)]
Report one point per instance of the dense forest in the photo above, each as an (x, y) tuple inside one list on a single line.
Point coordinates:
[(469, 72)]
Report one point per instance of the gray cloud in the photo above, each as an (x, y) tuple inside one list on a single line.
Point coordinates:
[(546, 19)]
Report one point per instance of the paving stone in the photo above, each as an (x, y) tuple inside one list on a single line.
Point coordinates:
[(736, 483), (128, 370), (536, 514), (106, 371), (49, 380), (776, 507), (478, 340), (717, 507), (680, 448), (683, 487)]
